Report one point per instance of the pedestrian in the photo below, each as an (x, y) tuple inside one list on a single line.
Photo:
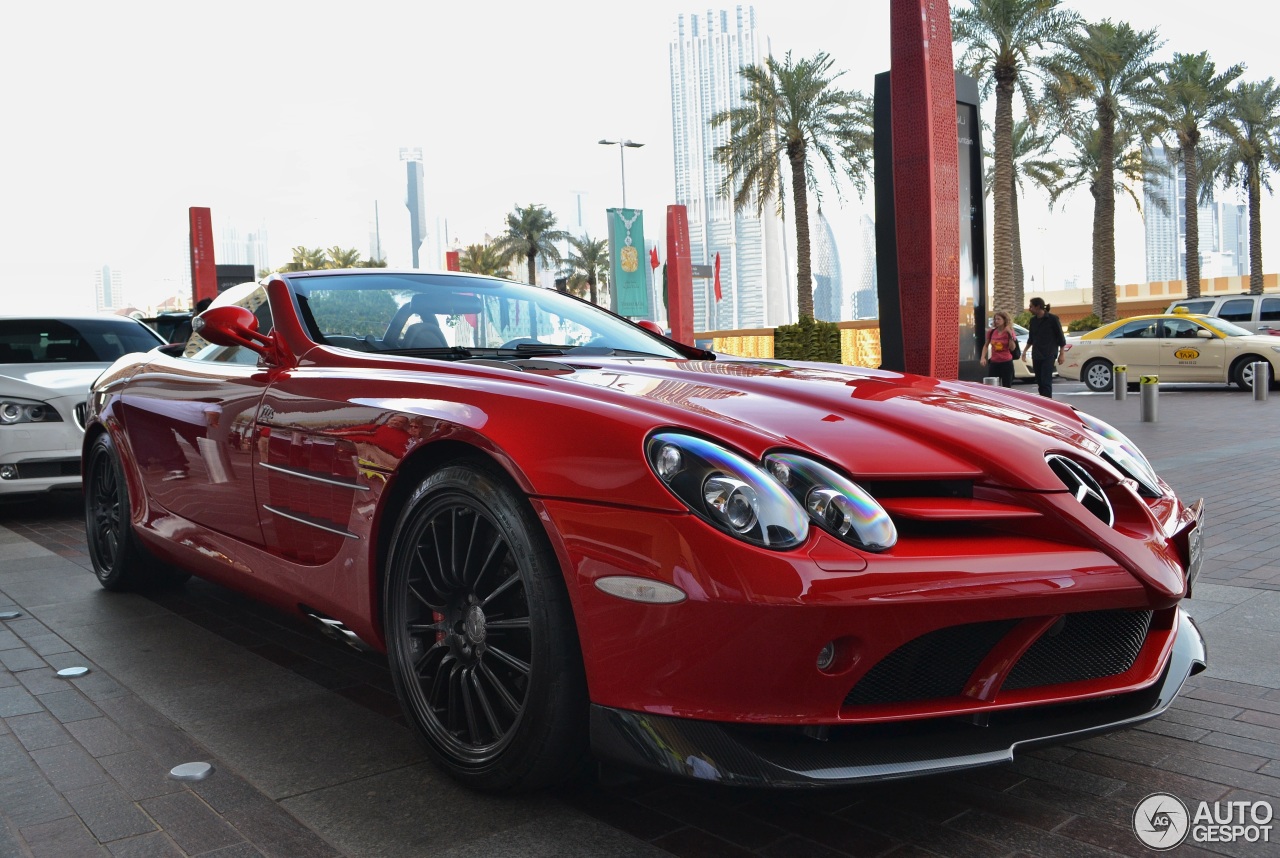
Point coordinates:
[(1045, 342), (997, 354)]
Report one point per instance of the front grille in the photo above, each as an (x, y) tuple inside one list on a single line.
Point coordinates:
[(1084, 646), (1090, 645), (82, 412), (934, 665)]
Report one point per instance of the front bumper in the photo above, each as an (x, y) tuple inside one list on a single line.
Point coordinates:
[(743, 755)]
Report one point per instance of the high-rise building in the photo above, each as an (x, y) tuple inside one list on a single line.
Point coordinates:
[(706, 55), (109, 289), (244, 247), (1219, 226), (828, 284), (864, 298), (415, 200)]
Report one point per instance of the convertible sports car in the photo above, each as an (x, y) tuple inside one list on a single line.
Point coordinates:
[(572, 536)]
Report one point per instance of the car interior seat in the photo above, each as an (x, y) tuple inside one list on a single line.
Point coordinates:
[(425, 334), (65, 351)]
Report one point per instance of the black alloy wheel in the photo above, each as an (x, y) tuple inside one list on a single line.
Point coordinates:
[(119, 562), (480, 635)]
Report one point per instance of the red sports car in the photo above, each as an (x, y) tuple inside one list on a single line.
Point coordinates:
[(573, 536)]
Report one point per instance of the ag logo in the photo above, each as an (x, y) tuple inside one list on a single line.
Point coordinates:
[(1161, 821), (1186, 354)]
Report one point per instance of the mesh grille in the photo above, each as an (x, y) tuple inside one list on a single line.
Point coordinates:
[(82, 410), (1084, 646), (934, 665)]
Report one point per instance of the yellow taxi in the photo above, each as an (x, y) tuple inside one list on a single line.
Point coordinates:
[(1178, 347)]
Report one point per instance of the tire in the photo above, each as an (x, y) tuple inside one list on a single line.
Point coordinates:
[(1242, 371), (119, 562), (480, 634), (1097, 375)]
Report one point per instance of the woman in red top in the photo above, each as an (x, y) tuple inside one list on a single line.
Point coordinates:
[(997, 354)]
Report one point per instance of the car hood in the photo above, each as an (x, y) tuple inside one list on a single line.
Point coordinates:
[(47, 380), (877, 424)]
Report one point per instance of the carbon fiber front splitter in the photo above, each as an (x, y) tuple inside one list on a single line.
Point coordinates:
[(745, 755)]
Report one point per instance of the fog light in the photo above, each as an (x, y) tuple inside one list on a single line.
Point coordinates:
[(827, 657), (8, 472)]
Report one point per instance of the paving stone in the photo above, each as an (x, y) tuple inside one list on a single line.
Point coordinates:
[(39, 730), (68, 766), (63, 838), (16, 700), (21, 659), (70, 705), (108, 812), (192, 825), (155, 845), (101, 737), (140, 775)]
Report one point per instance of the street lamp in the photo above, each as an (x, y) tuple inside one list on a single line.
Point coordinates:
[(622, 146)]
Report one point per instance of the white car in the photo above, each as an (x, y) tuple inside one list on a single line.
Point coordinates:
[(46, 367)]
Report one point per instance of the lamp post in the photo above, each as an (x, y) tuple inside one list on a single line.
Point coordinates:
[(622, 145)]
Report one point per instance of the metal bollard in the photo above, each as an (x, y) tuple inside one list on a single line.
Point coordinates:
[(1120, 382), (993, 380), (1150, 387), (1261, 380)]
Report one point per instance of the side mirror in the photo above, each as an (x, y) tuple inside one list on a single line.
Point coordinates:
[(1203, 334), (231, 326), (651, 327)]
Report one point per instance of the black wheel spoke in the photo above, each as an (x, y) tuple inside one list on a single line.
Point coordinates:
[(513, 623), (469, 706), (509, 700), (502, 588), (485, 706), (510, 660)]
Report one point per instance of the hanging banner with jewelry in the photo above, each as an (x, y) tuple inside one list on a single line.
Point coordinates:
[(630, 288)]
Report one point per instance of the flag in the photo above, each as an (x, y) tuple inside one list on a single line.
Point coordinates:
[(719, 295), (653, 257)]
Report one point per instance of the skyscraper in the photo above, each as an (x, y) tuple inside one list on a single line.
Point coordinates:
[(244, 247), (705, 58), (828, 284), (109, 288), (415, 200), (1165, 214)]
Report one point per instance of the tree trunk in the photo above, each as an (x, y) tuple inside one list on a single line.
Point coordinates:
[(1104, 218), (1191, 201), (1255, 231), (1004, 275), (800, 205), (1019, 273), (591, 282), (533, 274)]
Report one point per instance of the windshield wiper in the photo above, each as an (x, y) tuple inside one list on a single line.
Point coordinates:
[(446, 352)]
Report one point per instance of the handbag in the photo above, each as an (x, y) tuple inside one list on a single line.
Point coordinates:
[(1014, 348)]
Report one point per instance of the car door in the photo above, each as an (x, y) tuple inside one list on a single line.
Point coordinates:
[(1190, 352), (1135, 345), (190, 421)]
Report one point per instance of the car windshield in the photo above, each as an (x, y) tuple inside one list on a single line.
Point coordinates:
[(72, 340), (1226, 328), (442, 315)]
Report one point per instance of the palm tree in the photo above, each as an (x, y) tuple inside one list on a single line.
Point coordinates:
[(306, 259), (1190, 91), (1108, 67), (483, 259), (1004, 40), (1032, 160), (531, 233), (791, 110), (1251, 125), (1083, 167), (589, 259), (340, 258)]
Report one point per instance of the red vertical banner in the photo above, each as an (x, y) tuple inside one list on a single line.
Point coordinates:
[(452, 260), (204, 271), (926, 184), (719, 294), (679, 276)]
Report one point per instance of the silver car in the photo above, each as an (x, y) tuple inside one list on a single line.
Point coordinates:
[(46, 367)]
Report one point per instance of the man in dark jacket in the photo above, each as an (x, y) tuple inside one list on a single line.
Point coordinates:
[(1044, 345)]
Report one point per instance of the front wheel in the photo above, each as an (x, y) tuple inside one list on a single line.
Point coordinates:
[(480, 635), (1242, 371), (1097, 375), (119, 562)]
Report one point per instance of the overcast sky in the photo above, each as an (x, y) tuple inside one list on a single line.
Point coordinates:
[(117, 117)]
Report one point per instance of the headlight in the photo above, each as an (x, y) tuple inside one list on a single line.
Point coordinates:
[(27, 411), (728, 491), (1123, 454), (834, 502)]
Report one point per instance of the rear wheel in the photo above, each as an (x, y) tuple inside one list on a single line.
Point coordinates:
[(119, 562), (480, 635), (1097, 375)]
